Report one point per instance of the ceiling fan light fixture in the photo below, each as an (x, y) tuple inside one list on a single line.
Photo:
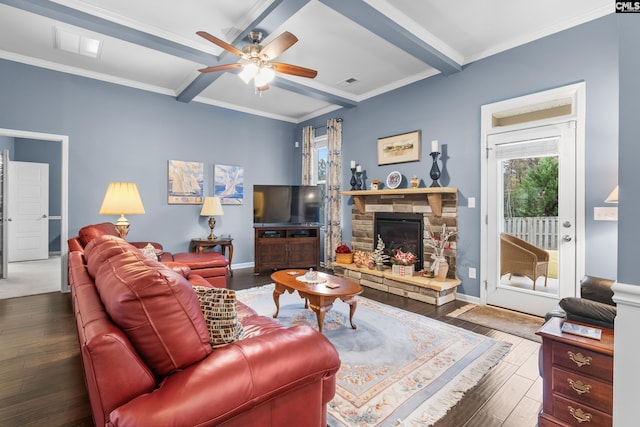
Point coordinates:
[(260, 80), (264, 76), (254, 59), (249, 71)]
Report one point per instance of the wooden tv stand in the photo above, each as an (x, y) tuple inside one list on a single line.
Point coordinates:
[(286, 246)]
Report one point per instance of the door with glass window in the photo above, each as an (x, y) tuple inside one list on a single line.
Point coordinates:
[(531, 178)]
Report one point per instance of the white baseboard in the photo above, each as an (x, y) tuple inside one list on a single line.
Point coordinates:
[(468, 298)]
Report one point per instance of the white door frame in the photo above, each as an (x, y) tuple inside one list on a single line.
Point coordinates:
[(64, 192), (576, 94)]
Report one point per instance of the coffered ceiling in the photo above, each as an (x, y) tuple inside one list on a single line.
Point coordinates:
[(360, 48)]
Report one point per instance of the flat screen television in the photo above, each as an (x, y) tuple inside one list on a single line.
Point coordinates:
[(286, 205)]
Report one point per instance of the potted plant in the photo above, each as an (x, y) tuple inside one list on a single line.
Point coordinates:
[(439, 244)]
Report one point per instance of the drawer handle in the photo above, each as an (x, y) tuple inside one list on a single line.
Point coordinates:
[(579, 359), (579, 387), (580, 415)]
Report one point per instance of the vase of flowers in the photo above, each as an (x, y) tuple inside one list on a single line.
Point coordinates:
[(439, 266), (402, 263)]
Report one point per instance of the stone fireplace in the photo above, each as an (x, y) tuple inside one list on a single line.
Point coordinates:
[(407, 204), (428, 207)]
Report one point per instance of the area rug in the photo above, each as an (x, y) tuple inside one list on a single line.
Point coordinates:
[(511, 322), (398, 368)]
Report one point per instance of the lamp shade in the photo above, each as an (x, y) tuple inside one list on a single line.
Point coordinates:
[(122, 198), (211, 207), (613, 197)]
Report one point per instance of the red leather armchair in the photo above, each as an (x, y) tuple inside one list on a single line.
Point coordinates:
[(212, 266)]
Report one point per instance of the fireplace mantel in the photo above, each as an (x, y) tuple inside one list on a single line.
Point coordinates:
[(434, 196)]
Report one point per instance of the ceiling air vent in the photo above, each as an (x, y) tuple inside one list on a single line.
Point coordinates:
[(348, 82), (75, 43)]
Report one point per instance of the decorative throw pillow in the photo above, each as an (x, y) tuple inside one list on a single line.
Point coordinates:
[(220, 313), (150, 252)]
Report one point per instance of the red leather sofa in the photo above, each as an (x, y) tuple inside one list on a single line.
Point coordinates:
[(212, 266), (147, 359)]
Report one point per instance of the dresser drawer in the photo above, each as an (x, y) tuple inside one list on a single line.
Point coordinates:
[(584, 361), (579, 414), (583, 389)]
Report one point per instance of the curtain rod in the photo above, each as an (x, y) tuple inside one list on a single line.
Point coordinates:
[(325, 125)]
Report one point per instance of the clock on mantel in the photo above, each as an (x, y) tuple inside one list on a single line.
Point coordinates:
[(434, 196)]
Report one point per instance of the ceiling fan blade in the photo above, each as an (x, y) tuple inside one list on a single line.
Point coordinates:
[(220, 68), (278, 45), (223, 44), (294, 70)]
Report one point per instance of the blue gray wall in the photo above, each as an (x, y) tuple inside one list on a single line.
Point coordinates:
[(6, 143), (447, 108), (629, 210), (122, 134)]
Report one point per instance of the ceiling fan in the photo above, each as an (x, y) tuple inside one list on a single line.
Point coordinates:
[(255, 59)]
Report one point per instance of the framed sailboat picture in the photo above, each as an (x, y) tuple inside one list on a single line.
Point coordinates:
[(228, 183), (185, 182)]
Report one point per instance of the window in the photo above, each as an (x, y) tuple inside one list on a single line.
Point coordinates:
[(320, 165)]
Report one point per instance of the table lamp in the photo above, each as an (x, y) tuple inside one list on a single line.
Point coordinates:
[(211, 207), (122, 198), (613, 197)]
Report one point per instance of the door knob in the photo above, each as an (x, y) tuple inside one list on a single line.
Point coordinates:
[(566, 224), (44, 215), (566, 238)]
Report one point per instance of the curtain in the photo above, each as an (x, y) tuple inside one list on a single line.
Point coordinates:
[(308, 135), (333, 232)]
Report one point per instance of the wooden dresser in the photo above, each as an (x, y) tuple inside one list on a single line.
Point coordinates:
[(577, 377)]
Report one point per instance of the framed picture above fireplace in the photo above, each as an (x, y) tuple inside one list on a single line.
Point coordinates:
[(400, 148)]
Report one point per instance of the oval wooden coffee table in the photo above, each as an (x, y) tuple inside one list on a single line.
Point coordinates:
[(319, 296)]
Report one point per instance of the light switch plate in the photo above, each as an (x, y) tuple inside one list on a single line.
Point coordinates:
[(472, 273), (472, 202)]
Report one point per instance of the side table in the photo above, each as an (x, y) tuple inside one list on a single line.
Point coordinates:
[(199, 245)]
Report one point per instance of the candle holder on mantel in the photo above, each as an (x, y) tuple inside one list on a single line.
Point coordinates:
[(435, 170), (353, 181), (359, 181)]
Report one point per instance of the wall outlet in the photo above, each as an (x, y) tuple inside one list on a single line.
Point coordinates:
[(472, 273)]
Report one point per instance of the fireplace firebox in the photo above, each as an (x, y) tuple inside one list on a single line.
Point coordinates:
[(400, 231)]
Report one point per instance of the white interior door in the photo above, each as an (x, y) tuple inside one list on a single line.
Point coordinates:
[(533, 264), (28, 211)]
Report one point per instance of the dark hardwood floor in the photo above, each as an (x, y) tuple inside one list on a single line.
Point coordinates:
[(41, 380)]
